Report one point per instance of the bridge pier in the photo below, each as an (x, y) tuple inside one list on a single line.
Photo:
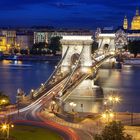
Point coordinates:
[(87, 97)]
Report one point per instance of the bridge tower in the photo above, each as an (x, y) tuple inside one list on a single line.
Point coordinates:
[(77, 47), (106, 41)]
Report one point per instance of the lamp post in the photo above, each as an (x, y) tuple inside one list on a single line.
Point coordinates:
[(52, 105), (3, 102), (111, 101), (6, 127), (107, 115), (32, 92), (73, 105)]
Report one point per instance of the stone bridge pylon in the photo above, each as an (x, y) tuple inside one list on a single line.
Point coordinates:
[(78, 47)]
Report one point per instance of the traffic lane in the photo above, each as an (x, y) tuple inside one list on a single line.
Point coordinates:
[(64, 132), (35, 115), (68, 130)]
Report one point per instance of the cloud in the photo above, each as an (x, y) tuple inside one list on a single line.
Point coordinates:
[(63, 5)]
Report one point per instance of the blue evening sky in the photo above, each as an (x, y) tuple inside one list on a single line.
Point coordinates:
[(66, 13)]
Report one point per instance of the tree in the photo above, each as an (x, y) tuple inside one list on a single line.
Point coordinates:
[(55, 44), (113, 131), (38, 48), (94, 46), (24, 51), (134, 47)]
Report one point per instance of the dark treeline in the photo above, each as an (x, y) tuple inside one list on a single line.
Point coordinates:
[(133, 47)]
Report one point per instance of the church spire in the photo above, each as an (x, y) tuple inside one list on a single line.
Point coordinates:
[(137, 11), (125, 23)]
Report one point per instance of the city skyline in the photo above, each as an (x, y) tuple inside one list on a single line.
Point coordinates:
[(70, 14)]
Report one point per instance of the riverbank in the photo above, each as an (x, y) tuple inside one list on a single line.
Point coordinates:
[(31, 57)]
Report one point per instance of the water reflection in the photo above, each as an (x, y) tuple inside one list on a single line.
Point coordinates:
[(125, 83), (29, 75), (24, 75)]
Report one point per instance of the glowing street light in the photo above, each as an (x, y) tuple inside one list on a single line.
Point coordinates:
[(73, 105), (6, 128), (32, 90), (42, 84), (107, 115), (3, 101), (53, 105), (114, 99)]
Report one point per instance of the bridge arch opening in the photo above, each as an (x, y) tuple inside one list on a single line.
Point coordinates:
[(74, 58), (106, 46)]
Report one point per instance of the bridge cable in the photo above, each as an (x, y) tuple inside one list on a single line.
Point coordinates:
[(54, 72), (83, 77), (68, 80), (58, 66)]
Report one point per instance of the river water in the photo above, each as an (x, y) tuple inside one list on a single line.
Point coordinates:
[(29, 75)]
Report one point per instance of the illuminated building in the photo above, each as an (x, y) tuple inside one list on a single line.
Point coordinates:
[(45, 36), (10, 37), (3, 45), (135, 24), (115, 37), (40, 37), (24, 41), (125, 23)]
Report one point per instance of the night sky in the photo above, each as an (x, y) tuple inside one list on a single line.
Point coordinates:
[(66, 13)]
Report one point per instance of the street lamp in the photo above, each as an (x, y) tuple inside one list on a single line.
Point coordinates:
[(6, 128), (3, 101), (32, 93), (42, 84), (73, 105), (114, 99), (107, 115), (52, 105), (111, 101)]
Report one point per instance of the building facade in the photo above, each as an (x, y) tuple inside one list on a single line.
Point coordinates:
[(3, 45), (40, 37), (10, 37), (45, 36), (121, 37), (24, 41)]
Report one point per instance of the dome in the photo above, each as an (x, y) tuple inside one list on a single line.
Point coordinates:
[(135, 24)]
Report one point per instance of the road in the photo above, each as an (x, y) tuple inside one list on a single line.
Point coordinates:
[(30, 115)]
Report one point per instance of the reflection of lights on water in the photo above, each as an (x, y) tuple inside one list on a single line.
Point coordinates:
[(17, 62), (5, 62), (127, 66)]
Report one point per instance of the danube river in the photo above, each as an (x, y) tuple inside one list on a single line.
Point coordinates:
[(29, 75)]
